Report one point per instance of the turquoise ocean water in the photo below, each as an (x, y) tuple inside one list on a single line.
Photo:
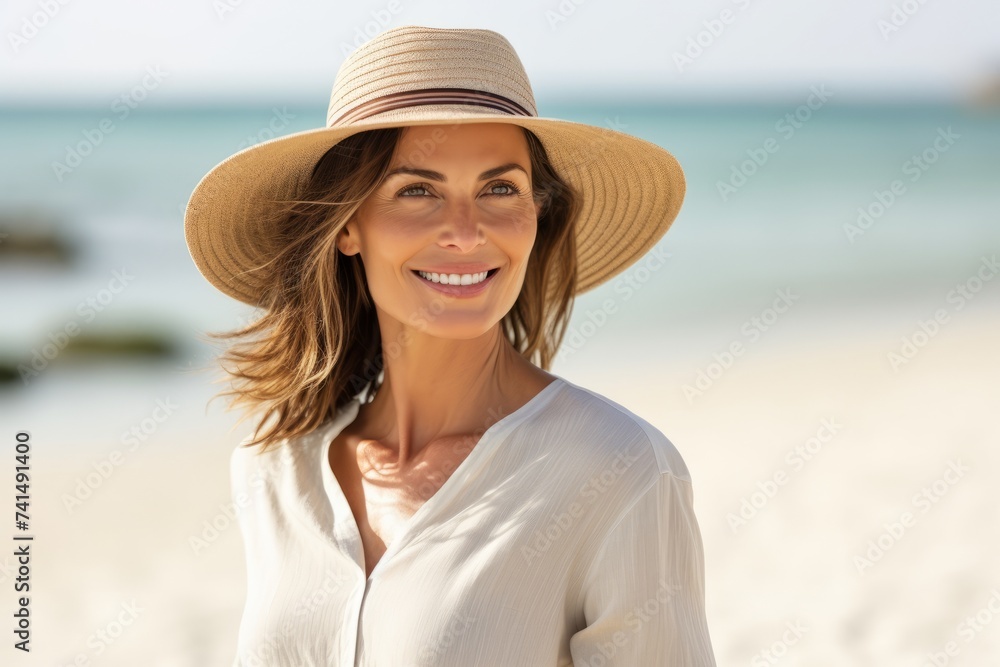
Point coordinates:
[(783, 225)]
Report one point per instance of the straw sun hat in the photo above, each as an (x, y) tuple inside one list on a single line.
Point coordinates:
[(413, 75)]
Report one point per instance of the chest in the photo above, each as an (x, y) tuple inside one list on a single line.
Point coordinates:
[(382, 493)]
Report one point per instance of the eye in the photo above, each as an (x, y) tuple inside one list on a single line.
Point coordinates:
[(408, 188), (514, 190)]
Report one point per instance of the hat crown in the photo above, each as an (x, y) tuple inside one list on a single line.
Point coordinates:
[(417, 65)]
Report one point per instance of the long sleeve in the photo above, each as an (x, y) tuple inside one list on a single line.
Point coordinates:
[(644, 597)]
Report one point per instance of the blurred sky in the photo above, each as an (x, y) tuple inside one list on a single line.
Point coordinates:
[(247, 51)]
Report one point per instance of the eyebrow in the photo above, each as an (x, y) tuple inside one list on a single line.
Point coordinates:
[(438, 176)]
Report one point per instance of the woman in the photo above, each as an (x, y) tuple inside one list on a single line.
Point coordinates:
[(426, 493)]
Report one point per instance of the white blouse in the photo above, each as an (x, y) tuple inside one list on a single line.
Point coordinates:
[(567, 536)]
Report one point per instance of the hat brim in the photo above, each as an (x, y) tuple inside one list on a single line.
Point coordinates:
[(631, 190)]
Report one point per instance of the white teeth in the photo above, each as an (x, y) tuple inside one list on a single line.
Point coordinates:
[(454, 278)]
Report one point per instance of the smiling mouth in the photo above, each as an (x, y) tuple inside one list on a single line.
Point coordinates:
[(489, 274)]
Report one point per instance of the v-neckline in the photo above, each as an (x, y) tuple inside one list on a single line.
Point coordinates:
[(342, 511)]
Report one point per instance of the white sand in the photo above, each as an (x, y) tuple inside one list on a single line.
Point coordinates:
[(791, 563)]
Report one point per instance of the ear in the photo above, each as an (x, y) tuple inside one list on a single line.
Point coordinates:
[(346, 242)]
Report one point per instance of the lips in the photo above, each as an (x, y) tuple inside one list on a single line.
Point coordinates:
[(460, 271), (459, 290), (489, 274)]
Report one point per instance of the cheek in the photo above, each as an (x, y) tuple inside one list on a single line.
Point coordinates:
[(392, 240), (516, 235)]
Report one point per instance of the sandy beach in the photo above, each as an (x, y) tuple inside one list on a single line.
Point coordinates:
[(834, 532)]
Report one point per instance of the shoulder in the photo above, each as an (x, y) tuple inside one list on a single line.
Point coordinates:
[(600, 426), (285, 460)]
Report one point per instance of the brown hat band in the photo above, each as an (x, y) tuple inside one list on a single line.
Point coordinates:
[(410, 98)]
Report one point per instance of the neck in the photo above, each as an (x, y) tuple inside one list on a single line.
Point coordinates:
[(441, 388)]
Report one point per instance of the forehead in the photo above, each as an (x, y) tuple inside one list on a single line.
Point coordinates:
[(427, 145)]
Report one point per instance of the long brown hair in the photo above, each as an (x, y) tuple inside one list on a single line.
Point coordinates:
[(317, 344)]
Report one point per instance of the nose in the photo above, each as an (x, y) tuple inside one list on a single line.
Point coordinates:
[(461, 227)]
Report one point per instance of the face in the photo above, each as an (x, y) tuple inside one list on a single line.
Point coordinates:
[(457, 200)]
